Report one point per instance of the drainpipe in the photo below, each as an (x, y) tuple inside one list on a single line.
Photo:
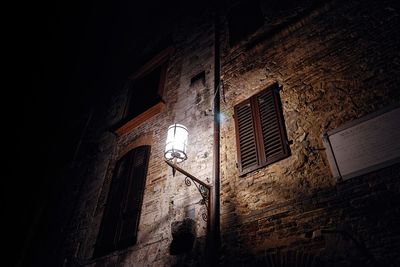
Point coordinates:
[(215, 193)]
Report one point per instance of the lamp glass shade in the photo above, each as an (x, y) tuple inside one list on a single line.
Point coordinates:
[(176, 144)]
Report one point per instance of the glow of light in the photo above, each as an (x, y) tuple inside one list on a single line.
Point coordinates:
[(176, 144)]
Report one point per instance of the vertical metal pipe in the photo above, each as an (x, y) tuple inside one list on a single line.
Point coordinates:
[(215, 193)]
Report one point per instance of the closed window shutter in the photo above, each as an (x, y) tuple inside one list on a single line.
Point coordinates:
[(260, 130), (246, 137), (274, 140), (134, 190), (108, 229), (121, 216)]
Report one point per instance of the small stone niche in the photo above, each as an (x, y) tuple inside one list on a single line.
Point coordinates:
[(183, 236), (199, 78)]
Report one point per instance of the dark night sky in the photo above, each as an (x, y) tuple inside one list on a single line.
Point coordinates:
[(65, 57)]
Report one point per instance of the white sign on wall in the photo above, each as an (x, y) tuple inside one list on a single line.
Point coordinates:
[(364, 145)]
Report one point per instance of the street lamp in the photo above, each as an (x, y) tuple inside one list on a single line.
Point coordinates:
[(176, 145), (175, 152)]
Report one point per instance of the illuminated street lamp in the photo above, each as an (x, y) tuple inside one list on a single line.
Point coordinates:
[(175, 152), (176, 145)]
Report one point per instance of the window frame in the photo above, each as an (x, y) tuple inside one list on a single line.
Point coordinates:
[(160, 60), (262, 159), (147, 70), (115, 217)]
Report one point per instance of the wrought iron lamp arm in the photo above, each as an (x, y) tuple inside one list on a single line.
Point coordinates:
[(174, 166), (204, 192), (198, 183)]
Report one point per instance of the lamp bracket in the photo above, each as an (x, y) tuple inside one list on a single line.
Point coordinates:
[(203, 188)]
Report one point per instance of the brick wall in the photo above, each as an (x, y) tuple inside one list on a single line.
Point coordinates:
[(166, 198), (336, 61)]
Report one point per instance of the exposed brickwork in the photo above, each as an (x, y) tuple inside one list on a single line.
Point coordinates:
[(336, 61), (166, 199)]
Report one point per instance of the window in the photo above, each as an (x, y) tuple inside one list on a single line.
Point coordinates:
[(145, 96), (120, 222), (244, 19), (146, 91), (260, 130)]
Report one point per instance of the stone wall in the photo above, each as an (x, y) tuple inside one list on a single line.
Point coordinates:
[(167, 199), (335, 63)]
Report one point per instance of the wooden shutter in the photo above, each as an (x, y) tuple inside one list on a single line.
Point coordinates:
[(133, 197), (246, 137), (122, 212), (274, 142), (108, 229), (260, 130)]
